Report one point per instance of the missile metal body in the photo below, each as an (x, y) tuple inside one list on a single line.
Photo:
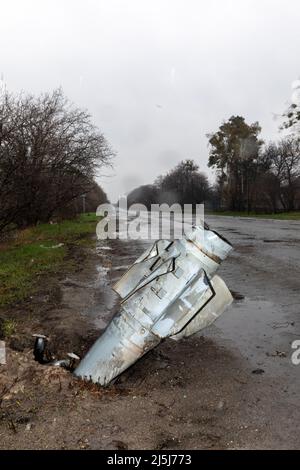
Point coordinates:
[(170, 291)]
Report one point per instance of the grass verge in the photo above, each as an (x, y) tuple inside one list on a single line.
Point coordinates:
[(38, 250)]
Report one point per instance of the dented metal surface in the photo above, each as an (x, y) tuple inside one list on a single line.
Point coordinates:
[(170, 291), (210, 312)]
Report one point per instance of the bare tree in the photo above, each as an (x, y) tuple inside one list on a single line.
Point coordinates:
[(184, 184), (284, 159), (50, 153), (146, 194)]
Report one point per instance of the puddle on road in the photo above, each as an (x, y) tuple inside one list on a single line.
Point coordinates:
[(104, 299), (100, 302), (121, 268), (101, 248), (261, 332), (112, 261), (102, 273)]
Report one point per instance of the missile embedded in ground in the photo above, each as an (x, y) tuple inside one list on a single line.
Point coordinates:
[(170, 291)]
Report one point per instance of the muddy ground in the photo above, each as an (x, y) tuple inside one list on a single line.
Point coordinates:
[(232, 386)]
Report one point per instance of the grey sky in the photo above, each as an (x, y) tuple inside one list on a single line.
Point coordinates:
[(156, 75)]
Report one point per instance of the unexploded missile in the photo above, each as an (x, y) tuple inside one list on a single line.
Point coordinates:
[(170, 291)]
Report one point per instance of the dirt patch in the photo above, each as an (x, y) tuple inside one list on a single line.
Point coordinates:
[(52, 312)]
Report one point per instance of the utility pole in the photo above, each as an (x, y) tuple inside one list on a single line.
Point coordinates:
[(83, 202), (2, 95)]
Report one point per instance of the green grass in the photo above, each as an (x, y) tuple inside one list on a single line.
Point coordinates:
[(38, 250), (68, 231), (279, 216), (7, 328)]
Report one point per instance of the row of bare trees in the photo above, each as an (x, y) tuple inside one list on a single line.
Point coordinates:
[(282, 185), (251, 176), (184, 184), (50, 153)]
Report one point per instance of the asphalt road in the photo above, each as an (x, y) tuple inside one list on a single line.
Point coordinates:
[(256, 333)]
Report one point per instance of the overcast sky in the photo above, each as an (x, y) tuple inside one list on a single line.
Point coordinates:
[(156, 75)]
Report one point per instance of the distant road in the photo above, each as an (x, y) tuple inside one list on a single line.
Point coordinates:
[(241, 387)]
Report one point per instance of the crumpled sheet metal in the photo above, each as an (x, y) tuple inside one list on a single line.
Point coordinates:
[(210, 312), (170, 291)]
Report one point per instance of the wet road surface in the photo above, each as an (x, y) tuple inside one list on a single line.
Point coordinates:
[(263, 272)]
